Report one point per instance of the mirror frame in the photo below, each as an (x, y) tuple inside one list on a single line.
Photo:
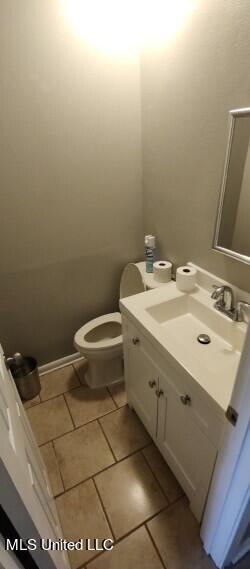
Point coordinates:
[(230, 253)]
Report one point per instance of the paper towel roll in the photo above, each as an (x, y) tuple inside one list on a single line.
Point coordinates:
[(162, 271), (186, 278)]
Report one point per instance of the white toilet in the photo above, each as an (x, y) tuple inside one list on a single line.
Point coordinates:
[(100, 340)]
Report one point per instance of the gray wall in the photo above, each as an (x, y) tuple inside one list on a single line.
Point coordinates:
[(70, 179), (187, 90), (70, 162)]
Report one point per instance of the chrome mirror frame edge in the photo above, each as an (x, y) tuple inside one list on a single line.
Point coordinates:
[(233, 254)]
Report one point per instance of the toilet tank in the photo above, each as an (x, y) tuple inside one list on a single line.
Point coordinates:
[(133, 279)]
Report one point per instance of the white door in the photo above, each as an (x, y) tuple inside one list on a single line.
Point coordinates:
[(25, 493), (7, 559), (230, 489)]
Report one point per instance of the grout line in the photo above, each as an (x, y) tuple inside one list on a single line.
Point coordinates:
[(70, 414), (58, 394), (114, 401), (106, 438), (99, 471), (155, 546), (117, 461), (50, 398), (126, 535), (57, 461), (155, 477), (161, 487), (104, 510), (130, 532), (158, 481), (79, 376), (182, 497), (74, 428)]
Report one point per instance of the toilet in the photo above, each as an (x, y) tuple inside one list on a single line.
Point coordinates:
[(100, 340)]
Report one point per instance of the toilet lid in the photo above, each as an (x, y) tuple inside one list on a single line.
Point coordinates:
[(102, 332)]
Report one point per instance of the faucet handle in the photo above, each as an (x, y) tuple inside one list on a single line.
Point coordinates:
[(218, 294), (239, 311)]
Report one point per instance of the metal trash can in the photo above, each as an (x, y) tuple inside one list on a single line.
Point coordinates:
[(25, 373)]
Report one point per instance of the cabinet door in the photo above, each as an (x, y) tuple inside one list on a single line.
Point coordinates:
[(141, 377), (184, 446)]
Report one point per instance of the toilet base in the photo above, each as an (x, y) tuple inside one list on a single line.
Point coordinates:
[(101, 373)]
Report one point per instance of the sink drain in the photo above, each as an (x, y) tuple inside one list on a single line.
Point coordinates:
[(204, 339)]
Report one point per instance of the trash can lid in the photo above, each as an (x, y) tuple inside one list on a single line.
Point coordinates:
[(23, 366)]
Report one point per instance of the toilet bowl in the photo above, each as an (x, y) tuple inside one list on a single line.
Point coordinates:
[(100, 340)]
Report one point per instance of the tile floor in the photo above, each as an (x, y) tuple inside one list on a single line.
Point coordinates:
[(109, 479)]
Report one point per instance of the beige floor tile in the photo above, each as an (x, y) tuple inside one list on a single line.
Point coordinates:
[(51, 464), (125, 432), (82, 453), (130, 494), (82, 517), (81, 367), (118, 393), (87, 404), (176, 535), (163, 473), (135, 551), (35, 401), (58, 381), (50, 419)]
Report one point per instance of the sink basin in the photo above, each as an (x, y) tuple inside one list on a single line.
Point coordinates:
[(175, 320), (183, 319)]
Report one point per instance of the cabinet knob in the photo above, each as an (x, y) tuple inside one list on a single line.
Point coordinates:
[(159, 393), (135, 340), (152, 383), (185, 399)]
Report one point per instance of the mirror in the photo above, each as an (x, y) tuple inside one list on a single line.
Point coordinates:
[(232, 231)]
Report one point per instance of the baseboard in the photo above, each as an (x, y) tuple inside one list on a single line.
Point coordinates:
[(56, 364)]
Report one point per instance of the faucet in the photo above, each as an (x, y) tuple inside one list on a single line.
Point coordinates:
[(225, 299), (239, 310)]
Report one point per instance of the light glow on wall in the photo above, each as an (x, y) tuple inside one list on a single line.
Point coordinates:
[(126, 26)]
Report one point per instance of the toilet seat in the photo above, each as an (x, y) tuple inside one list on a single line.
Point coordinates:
[(102, 333), (100, 341)]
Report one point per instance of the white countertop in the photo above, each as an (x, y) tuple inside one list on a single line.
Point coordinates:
[(173, 320)]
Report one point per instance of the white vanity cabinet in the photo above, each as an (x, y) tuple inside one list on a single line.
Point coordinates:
[(142, 380), (180, 418)]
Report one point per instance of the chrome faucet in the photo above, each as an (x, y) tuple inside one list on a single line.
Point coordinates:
[(239, 310), (225, 299)]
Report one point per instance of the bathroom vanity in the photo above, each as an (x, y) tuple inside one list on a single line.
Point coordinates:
[(179, 387)]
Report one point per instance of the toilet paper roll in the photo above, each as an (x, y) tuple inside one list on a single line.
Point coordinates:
[(186, 278), (162, 271)]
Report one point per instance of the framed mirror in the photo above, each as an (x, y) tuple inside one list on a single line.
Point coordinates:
[(232, 229)]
